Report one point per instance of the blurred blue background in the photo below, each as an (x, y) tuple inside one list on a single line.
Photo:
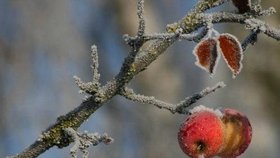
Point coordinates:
[(43, 44)]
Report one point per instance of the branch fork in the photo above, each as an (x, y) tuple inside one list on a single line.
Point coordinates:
[(181, 108), (136, 61), (93, 86), (82, 141)]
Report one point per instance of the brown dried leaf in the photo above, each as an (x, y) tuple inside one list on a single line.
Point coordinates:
[(232, 52), (206, 54)]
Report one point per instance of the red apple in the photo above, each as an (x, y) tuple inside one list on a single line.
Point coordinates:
[(201, 134)]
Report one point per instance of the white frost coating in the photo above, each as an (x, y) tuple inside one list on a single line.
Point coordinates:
[(201, 156), (255, 24), (204, 108), (40, 138)]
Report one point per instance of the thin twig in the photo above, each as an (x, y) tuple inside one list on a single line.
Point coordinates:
[(95, 65), (87, 87), (93, 86), (250, 39), (136, 42), (201, 34), (130, 95), (167, 36), (129, 70), (82, 141), (266, 12), (140, 14), (181, 107), (256, 24)]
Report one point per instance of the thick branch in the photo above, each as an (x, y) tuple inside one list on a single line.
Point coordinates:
[(133, 64)]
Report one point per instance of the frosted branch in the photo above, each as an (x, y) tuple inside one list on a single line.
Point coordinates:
[(250, 39), (82, 141), (251, 24), (136, 42), (140, 14), (181, 107), (86, 87), (133, 65), (267, 12), (256, 24), (95, 65), (130, 95), (93, 86), (178, 35)]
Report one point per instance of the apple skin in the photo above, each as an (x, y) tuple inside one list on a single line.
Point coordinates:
[(238, 133), (201, 134), (207, 133)]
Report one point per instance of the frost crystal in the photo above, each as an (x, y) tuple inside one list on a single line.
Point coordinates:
[(204, 108)]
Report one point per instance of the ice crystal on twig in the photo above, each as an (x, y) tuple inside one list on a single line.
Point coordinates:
[(181, 107), (95, 65), (93, 86), (82, 141), (140, 13)]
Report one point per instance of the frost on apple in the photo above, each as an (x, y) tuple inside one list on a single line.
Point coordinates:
[(200, 108), (197, 132), (205, 134)]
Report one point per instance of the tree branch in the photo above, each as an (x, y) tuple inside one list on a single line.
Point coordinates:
[(93, 86), (258, 25), (84, 140), (95, 65), (180, 108), (140, 13), (250, 39), (177, 35), (135, 62)]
